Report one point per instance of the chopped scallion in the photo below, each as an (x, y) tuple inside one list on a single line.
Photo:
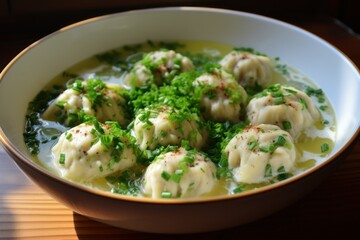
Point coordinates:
[(286, 125), (325, 147), (165, 175), (268, 170), (166, 195), (62, 158)]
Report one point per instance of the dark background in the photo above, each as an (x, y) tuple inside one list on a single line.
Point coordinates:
[(50, 15), (23, 22)]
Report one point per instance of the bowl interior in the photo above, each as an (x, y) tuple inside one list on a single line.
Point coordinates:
[(29, 72)]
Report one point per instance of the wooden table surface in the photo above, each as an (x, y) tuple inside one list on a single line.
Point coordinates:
[(331, 211)]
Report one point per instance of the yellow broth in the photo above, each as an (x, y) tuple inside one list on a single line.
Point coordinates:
[(308, 146)]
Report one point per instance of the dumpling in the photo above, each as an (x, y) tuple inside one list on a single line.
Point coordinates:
[(179, 174), (89, 151), (260, 153), (95, 97), (157, 67), (164, 125), (223, 99), (248, 69), (284, 106)]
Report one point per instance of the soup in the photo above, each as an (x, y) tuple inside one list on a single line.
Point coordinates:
[(179, 120)]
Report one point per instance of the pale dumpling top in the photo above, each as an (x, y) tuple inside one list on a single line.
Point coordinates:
[(248, 69), (284, 106), (94, 97), (179, 174), (89, 151), (157, 67), (164, 125), (222, 97), (260, 153)]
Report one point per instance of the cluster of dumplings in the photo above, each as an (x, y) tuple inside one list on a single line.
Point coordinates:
[(261, 151)]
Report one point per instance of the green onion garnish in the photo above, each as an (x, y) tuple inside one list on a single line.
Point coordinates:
[(62, 158), (166, 195), (268, 170), (325, 147), (286, 125), (165, 175)]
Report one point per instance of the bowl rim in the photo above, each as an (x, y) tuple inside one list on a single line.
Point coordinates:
[(16, 154)]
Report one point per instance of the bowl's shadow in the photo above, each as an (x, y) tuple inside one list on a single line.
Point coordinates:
[(87, 228)]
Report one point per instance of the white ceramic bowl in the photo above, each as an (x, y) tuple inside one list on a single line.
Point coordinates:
[(28, 73)]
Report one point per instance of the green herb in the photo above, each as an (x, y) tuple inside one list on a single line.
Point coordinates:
[(165, 175), (62, 158), (323, 107), (163, 133), (249, 50), (280, 141), (77, 86), (95, 89), (189, 159), (286, 125), (325, 147), (68, 136), (272, 148), (240, 188), (278, 100), (283, 68), (166, 195), (33, 126), (303, 104), (318, 93), (106, 140), (264, 149), (111, 57), (69, 75), (127, 183), (284, 176), (253, 145), (61, 104), (268, 170), (325, 122), (281, 169), (176, 177)]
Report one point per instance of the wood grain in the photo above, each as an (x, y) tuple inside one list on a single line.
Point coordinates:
[(331, 211)]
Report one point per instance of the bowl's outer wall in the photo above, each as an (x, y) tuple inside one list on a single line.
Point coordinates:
[(177, 218), (23, 78)]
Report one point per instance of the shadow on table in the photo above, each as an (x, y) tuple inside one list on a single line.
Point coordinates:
[(90, 229)]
